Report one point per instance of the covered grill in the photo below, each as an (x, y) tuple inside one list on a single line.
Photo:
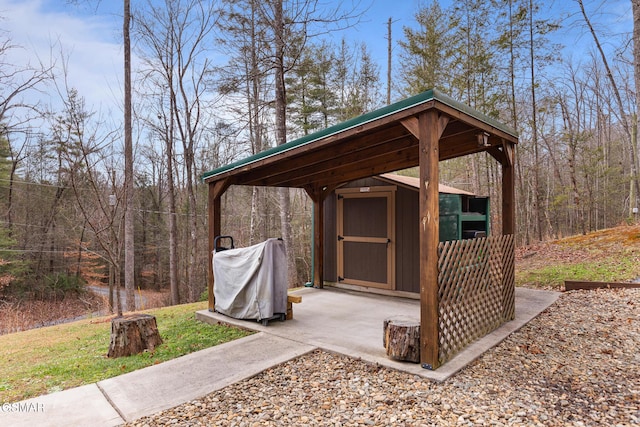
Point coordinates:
[(251, 282)]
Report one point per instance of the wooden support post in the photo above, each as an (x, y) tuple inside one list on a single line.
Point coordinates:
[(317, 195), (508, 190), (216, 190), (508, 228), (430, 128), (318, 242)]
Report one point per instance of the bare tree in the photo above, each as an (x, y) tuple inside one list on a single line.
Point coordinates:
[(129, 230), (534, 126), (629, 129), (175, 42), (162, 126), (246, 75), (17, 81), (635, 6), (290, 29), (86, 162)]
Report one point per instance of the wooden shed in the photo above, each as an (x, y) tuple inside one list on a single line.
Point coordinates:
[(467, 287), (371, 231)]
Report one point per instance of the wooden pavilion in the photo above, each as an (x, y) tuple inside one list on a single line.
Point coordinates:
[(466, 290)]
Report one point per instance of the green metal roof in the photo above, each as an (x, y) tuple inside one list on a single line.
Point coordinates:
[(429, 95)]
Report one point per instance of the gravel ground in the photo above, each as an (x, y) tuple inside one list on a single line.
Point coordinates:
[(576, 364)]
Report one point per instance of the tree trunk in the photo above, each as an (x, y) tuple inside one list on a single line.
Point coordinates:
[(193, 242), (534, 131), (623, 114), (281, 135), (401, 338), (129, 256), (635, 7), (256, 127), (287, 237), (132, 334), (173, 221), (255, 211)]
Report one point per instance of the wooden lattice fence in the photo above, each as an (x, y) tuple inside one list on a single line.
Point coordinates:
[(476, 288)]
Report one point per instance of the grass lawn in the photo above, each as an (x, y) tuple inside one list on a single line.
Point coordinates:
[(622, 268), (45, 360), (611, 254)]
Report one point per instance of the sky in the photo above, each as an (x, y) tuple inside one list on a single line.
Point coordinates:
[(44, 30), (89, 36)]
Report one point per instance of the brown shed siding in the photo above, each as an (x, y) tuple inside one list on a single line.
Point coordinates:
[(407, 242)]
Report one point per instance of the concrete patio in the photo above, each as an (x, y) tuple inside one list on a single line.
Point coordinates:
[(351, 323)]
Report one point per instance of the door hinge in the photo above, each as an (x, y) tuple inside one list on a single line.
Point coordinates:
[(340, 196), (340, 279), (340, 238)]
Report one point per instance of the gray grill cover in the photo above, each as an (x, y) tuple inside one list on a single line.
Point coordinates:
[(251, 283)]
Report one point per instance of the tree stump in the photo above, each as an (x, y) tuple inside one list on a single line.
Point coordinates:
[(132, 334), (401, 338)]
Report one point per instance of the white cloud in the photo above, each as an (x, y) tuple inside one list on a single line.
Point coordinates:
[(46, 28)]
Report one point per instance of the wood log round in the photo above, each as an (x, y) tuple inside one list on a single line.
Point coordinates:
[(132, 334), (401, 338)]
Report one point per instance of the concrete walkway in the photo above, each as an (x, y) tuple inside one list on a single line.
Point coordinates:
[(340, 321)]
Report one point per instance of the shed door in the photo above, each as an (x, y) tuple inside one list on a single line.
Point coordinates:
[(366, 254)]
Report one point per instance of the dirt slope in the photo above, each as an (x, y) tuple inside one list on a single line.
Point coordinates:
[(607, 255)]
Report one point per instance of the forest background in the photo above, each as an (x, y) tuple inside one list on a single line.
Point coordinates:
[(215, 81)]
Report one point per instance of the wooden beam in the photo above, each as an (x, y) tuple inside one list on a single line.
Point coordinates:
[(365, 167), (317, 195), (508, 190), (508, 228), (411, 123), (451, 151), (474, 122), (369, 129), (318, 243), (352, 160), (430, 130), (413, 126), (509, 149), (443, 122), (497, 153), (216, 190), (503, 153), (572, 285), (219, 187), (344, 156)]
